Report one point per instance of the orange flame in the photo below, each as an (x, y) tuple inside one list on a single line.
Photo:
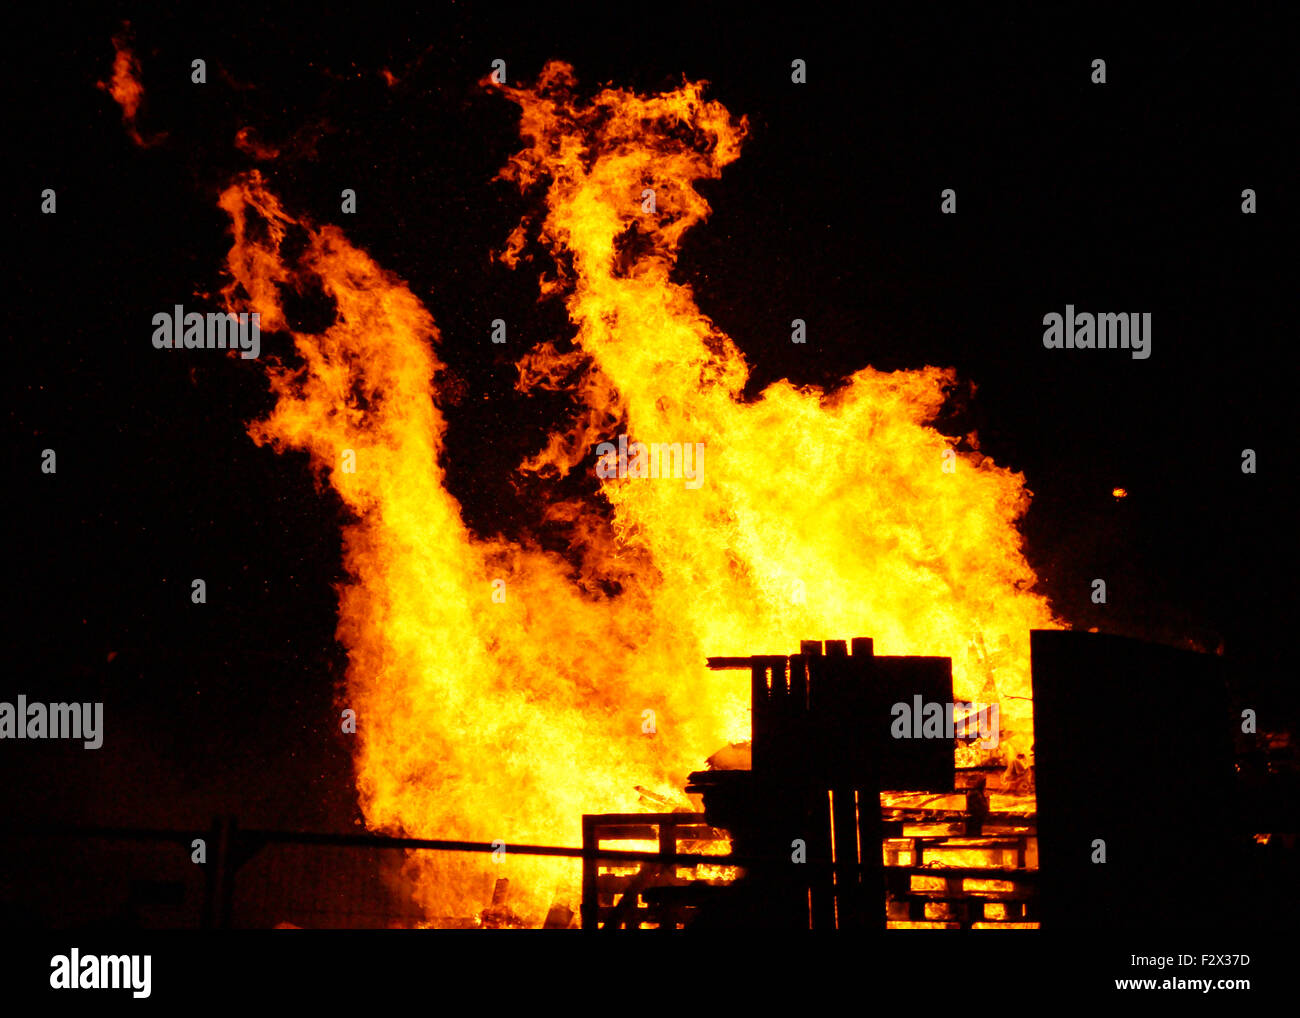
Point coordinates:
[(125, 88), (502, 690), (823, 514)]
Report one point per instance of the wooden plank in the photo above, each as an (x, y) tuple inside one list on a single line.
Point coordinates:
[(667, 840), (870, 837), (590, 902), (761, 714), (608, 819), (798, 684), (851, 912), (819, 880), (501, 891), (974, 872), (616, 884), (1001, 896), (627, 832), (719, 664)]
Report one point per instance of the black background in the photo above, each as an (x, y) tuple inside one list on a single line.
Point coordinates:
[(1123, 196)]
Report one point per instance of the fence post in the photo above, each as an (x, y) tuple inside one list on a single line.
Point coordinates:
[(219, 894)]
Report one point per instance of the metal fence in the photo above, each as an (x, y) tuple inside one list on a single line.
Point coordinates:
[(104, 877)]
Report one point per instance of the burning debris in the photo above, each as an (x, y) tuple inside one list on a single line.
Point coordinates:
[(499, 915)]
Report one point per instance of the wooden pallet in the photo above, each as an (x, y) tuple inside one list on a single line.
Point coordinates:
[(937, 873), (947, 869), (638, 896), (822, 753)]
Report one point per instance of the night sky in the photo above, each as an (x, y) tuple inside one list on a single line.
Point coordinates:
[(1117, 197)]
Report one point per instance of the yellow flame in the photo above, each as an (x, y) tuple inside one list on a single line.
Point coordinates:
[(504, 710)]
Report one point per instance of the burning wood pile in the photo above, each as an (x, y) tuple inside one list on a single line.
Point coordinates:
[(805, 805), (839, 826), (472, 653)]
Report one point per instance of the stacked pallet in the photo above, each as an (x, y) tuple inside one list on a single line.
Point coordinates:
[(949, 863), (960, 861), (824, 747), (648, 895)]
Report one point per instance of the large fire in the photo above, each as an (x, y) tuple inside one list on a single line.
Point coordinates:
[(504, 710)]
